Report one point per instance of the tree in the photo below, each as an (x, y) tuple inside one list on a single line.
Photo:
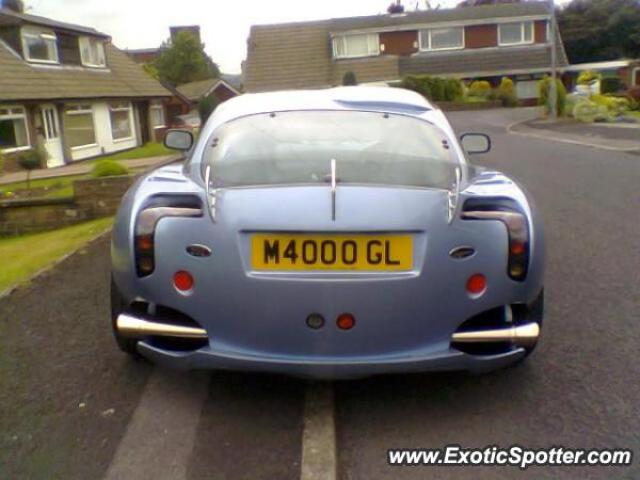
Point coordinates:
[(206, 106), (151, 70), (596, 30), (184, 61)]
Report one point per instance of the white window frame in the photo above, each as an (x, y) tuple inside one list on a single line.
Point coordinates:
[(157, 107), (121, 107), (16, 112), (635, 74), (90, 42), (43, 34), (522, 41), (428, 47), (77, 109), (343, 38)]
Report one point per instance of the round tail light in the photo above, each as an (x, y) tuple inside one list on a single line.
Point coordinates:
[(345, 321), (183, 281), (476, 284)]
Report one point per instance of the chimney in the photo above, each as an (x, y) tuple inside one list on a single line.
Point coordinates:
[(13, 5), (395, 8)]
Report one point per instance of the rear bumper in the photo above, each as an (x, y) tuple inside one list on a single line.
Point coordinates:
[(447, 360)]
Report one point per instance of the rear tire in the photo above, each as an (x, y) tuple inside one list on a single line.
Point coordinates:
[(118, 304)]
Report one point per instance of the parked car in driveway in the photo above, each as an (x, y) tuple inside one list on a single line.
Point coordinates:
[(332, 233)]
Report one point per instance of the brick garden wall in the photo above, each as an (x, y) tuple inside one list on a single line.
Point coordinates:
[(93, 198)]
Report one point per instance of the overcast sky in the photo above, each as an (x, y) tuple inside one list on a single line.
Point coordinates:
[(224, 23)]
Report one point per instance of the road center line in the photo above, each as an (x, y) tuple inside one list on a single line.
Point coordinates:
[(319, 435), (161, 434)]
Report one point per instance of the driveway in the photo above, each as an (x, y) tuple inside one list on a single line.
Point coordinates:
[(72, 406)]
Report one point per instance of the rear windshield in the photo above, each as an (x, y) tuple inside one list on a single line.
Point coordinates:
[(297, 148)]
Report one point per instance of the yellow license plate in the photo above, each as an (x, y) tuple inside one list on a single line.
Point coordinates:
[(332, 252)]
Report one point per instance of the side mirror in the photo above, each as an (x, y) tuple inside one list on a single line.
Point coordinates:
[(177, 139), (474, 143)]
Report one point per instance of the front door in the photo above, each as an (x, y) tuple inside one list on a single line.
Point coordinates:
[(51, 130)]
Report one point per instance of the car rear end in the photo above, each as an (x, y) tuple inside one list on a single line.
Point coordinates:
[(327, 244)]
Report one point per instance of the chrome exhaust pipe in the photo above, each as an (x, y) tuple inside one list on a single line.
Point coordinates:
[(522, 335), (134, 327)]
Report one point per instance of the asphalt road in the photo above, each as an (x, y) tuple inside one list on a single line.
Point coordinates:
[(71, 404), (580, 388)]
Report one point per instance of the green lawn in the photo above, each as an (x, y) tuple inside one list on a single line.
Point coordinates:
[(59, 186), (151, 149), (25, 255)]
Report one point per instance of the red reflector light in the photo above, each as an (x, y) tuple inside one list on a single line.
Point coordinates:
[(345, 321), (517, 248), (183, 281), (145, 242), (476, 284)]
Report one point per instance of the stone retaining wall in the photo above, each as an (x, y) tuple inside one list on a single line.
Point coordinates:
[(93, 198)]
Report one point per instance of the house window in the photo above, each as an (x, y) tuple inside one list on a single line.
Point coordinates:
[(156, 113), (516, 33), (14, 133), (92, 52), (79, 127), (361, 45), (120, 114), (39, 46), (442, 38), (527, 89)]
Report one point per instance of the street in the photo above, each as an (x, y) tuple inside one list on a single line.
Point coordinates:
[(73, 407)]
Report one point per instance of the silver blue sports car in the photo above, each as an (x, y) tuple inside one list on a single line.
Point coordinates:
[(333, 233)]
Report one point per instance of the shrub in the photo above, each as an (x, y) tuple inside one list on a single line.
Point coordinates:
[(587, 77), (349, 79), (416, 84), (561, 95), (634, 95), (434, 88), (572, 101), (507, 93), (588, 111), (108, 168), (614, 105), (479, 88), (1, 164), (611, 85), (437, 87), (30, 160), (453, 89)]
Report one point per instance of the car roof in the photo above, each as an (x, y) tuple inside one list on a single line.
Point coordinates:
[(340, 98)]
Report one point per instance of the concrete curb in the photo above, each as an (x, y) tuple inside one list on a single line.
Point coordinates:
[(6, 293), (511, 130)]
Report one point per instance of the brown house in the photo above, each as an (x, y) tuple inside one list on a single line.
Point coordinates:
[(487, 42), (67, 89)]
